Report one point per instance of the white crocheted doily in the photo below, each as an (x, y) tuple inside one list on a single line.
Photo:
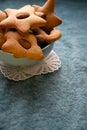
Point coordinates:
[(49, 64)]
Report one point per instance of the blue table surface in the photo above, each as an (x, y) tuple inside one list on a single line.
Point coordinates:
[(55, 101)]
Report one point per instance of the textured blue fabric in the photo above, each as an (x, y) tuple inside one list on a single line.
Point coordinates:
[(55, 101)]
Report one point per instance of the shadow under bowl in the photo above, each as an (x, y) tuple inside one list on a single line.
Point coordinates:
[(9, 59)]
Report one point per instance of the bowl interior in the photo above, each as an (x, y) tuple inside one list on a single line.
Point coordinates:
[(9, 59)]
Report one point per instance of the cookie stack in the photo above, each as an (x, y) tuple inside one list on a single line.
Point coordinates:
[(25, 31)]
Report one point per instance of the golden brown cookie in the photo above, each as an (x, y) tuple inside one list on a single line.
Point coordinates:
[(22, 19), (13, 46), (42, 36), (48, 10)]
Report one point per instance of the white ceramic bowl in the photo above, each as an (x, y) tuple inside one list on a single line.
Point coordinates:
[(9, 59)]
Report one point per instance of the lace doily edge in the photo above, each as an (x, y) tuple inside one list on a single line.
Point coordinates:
[(50, 70)]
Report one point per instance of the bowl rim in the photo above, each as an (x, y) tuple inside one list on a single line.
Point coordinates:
[(46, 46), (23, 61), (41, 49)]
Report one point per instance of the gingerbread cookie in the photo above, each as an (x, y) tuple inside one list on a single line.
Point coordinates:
[(12, 45), (22, 19), (42, 36), (51, 18)]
